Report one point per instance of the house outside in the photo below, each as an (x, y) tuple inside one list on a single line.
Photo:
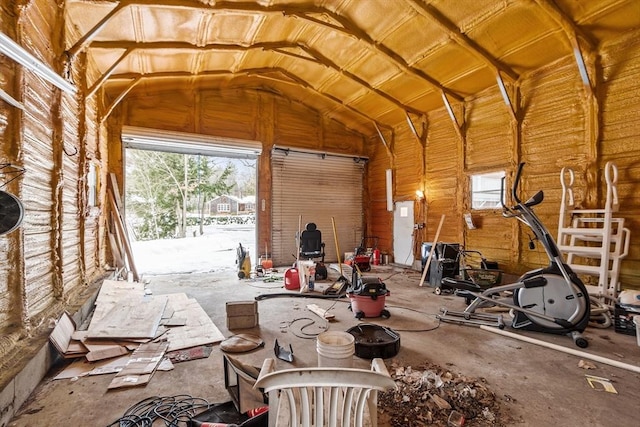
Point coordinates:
[(231, 205)]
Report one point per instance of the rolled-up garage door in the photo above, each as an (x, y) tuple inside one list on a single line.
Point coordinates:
[(316, 187)]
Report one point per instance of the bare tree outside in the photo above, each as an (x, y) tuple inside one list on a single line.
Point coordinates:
[(165, 190)]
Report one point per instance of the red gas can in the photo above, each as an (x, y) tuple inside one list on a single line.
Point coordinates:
[(376, 256), (291, 279)]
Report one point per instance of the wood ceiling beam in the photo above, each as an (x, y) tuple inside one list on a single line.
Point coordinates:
[(314, 56), (98, 83), (574, 33), (453, 31), (569, 27), (86, 39), (305, 13)]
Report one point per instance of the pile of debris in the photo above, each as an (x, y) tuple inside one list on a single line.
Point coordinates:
[(432, 396)]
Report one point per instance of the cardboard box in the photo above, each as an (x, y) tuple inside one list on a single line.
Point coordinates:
[(242, 314), (242, 308)]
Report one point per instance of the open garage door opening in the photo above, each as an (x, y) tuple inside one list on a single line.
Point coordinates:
[(189, 200)]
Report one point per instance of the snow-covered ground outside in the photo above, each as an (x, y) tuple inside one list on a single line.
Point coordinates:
[(216, 250)]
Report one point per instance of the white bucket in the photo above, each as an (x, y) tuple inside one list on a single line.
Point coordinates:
[(335, 349), (636, 321)]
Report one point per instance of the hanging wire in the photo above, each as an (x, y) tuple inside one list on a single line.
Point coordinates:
[(18, 172)]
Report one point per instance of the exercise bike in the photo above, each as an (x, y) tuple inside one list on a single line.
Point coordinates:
[(551, 299)]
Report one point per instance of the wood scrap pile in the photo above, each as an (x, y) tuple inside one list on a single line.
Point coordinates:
[(133, 334), (429, 395)]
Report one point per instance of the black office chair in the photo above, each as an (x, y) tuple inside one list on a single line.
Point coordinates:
[(312, 246)]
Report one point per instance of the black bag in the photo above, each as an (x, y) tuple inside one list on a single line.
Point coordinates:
[(226, 413)]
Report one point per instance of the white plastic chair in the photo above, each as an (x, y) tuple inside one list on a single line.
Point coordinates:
[(324, 397)]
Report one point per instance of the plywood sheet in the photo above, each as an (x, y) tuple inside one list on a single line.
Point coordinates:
[(139, 369), (111, 292), (133, 318), (198, 330), (62, 338)]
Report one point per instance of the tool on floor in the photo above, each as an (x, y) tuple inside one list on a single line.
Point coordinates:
[(244, 262), (282, 353), (551, 299), (433, 247), (453, 261), (341, 284), (367, 295)]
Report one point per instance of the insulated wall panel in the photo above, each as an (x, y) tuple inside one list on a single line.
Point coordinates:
[(443, 183), (490, 135), (554, 135), (71, 216), (620, 135), (380, 221), (37, 195)]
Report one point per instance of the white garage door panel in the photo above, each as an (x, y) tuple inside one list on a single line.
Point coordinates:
[(315, 189)]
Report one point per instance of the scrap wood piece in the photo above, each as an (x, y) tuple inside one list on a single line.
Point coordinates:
[(316, 309), (82, 367), (113, 193), (193, 353), (199, 328), (62, 338), (141, 366), (600, 384), (103, 349), (133, 318)]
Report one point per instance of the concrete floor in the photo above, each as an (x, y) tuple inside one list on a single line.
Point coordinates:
[(537, 386)]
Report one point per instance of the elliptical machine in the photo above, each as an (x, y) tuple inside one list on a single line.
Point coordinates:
[(551, 299)]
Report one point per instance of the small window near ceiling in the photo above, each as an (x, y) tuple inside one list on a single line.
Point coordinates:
[(486, 189)]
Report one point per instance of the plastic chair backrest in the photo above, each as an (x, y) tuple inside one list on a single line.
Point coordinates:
[(324, 397)]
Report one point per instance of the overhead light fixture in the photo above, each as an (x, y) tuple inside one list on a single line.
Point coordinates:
[(16, 52)]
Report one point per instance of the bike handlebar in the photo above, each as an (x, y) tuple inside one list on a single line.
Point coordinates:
[(514, 189), (513, 211)]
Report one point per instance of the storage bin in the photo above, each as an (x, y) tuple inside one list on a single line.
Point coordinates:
[(623, 319)]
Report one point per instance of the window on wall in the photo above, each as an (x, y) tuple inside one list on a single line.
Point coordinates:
[(224, 207), (486, 189)]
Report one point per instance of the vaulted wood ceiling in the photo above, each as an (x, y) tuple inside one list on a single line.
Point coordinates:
[(359, 62)]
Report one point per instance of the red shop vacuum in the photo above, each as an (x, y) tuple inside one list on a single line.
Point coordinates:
[(367, 295)]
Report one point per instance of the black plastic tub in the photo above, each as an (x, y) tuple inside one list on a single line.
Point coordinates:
[(375, 341)]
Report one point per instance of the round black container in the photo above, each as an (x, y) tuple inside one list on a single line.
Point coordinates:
[(375, 341)]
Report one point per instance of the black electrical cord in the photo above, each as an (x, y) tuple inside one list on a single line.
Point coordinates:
[(174, 411), (294, 295)]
